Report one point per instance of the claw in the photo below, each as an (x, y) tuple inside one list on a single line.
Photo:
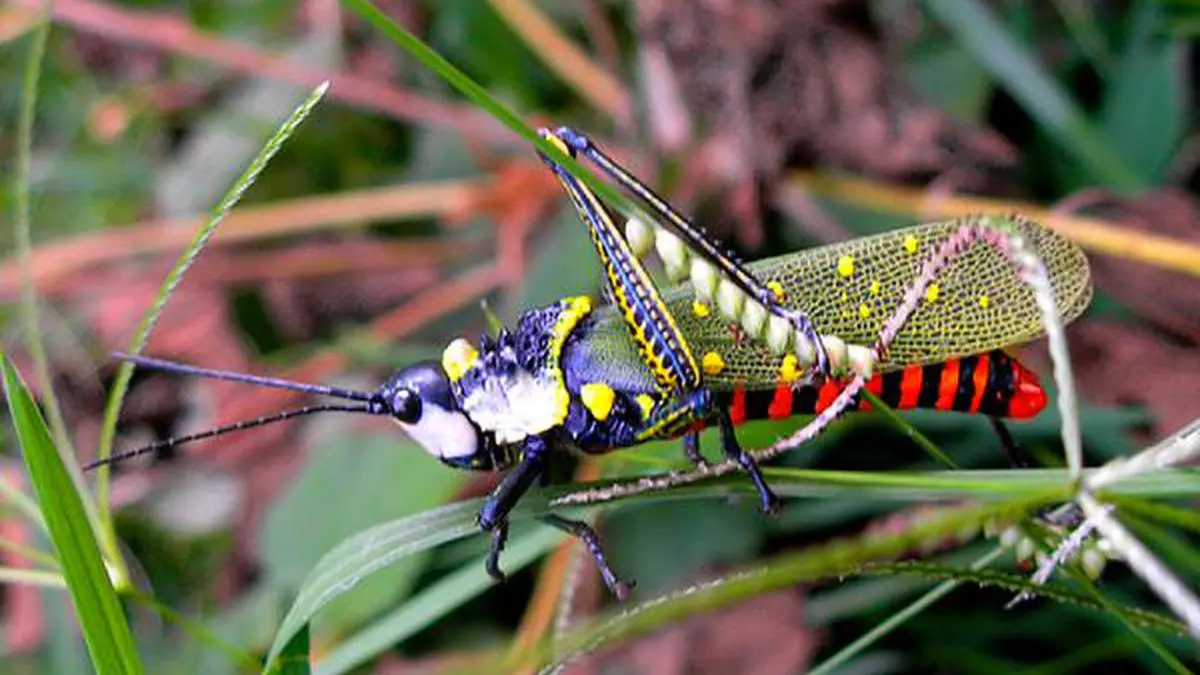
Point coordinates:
[(585, 534), (492, 564)]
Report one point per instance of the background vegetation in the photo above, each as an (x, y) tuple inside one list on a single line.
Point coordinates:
[(396, 207)]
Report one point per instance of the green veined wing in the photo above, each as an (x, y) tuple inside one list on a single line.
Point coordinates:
[(851, 288)]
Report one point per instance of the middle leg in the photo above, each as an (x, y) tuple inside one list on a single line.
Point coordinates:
[(734, 451), (673, 414)]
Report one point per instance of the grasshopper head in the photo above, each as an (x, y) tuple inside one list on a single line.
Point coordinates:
[(420, 400)]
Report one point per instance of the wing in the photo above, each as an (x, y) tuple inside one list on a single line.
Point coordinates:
[(850, 289)]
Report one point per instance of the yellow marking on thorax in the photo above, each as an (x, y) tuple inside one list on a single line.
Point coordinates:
[(646, 403), (931, 293), (712, 363), (458, 357), (910, 244), (598, 398), (845, 266), (574, 310), (700, 309)]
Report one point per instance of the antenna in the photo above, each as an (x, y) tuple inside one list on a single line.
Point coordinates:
[(185, 369), (372, 404)]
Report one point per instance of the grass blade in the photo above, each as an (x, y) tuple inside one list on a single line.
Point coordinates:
[(981, 33), (818, 562), (21, 228), (480, 97), (894, 621), (99, 611), (434, 602), (293, 660), (142, 334), (367, 553)]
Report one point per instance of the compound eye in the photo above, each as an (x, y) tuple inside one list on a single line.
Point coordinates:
[(406, 406)]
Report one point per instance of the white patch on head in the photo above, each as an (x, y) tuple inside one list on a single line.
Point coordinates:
[(514, 408), (443, 434)]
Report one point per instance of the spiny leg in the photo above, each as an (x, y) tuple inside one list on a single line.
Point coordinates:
[(662, 345), (585, 534), (672, 414), (733, 450), (1012, 450), (691, 449), (696, 240), (493, 515)]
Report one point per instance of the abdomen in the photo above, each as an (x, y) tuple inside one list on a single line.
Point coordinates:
[(993, 384)]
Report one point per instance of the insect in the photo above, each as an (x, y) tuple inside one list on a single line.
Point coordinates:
[(730, 342)]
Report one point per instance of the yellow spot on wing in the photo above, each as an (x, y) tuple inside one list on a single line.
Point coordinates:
[(931, 293), (845, 265), (876, 287), (597, 397), (984, 301), (910, 244), (700, 309), (458, 358), (864, 311), (712, 363), (777, 289)]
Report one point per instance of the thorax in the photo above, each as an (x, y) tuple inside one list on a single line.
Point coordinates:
[(513, 386)]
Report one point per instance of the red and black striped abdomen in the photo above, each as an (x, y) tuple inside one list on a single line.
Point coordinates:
[(993, 384)]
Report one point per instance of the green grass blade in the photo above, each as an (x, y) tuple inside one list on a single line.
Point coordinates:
[(294, 659), (28, 577), (375, 548), (21, 229), (909, 430), (1016, 583), (434, 602), (142, 334), (32, 554), (1164, 513), (368, 552), (979, 30), (99, 611), (1081, 21), (881, 629), (899, 486), (380, 546), (480, 97), (832, 560)]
